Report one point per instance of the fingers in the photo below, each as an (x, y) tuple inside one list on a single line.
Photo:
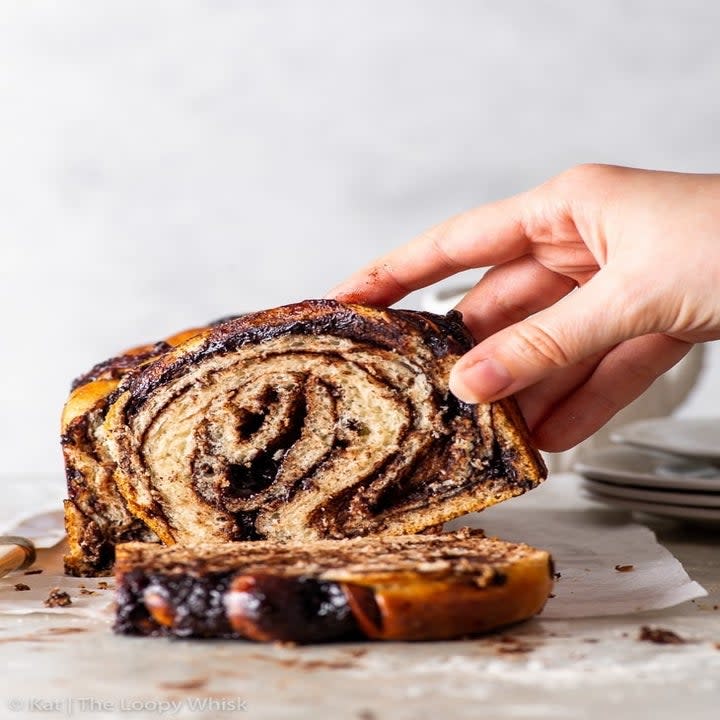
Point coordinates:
[(538, 400), (493, 234), (509, 293), (623, 375), (602, 313), (489, 235)]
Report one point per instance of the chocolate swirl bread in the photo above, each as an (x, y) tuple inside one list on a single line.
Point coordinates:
[(416, 587), (96, 514), (314, 420)]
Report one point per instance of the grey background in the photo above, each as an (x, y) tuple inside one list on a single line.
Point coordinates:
[(166, 163)]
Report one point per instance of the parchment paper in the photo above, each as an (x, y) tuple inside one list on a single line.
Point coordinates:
[(586, 539)]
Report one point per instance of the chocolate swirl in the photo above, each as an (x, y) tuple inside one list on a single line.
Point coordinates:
[(312, 420), (96, 514)]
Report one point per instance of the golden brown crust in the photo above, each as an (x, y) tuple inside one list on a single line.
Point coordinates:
[(444, 609), (514, 438)]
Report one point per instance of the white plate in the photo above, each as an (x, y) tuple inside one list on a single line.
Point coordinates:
[(667, 497), (683, 512), (632, 466), (699, 438)]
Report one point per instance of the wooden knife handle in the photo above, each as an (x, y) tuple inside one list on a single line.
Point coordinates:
[(16, 553)]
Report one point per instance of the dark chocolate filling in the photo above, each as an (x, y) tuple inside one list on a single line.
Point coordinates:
[(443, 334), (297, 609), (196, 604)]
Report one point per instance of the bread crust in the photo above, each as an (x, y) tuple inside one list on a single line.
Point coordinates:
[(443, 609)]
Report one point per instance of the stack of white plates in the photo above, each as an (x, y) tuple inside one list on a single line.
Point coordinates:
[(664, 466)]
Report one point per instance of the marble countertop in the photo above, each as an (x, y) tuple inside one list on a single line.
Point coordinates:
[(585, 668)]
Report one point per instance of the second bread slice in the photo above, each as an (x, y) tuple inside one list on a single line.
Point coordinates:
[(412, 587)]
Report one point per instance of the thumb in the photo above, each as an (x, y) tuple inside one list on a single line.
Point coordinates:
[(593, 318)]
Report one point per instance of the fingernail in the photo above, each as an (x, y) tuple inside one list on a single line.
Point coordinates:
[(480, 381)]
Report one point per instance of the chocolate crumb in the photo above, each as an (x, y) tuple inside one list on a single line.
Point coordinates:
[(511, 649), (102, 585), (624, 568), (21, 586), (357, 652), (57, 598), (660, 636), (189, 684), (36, 571), (590, 640), (85, 591), (556, 575), (326, 665), (507, 644), (551, 595), (312, 664)]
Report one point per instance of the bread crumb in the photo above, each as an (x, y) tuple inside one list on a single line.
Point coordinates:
[(21, 586), (357, 652), (509, 644), (189, 684), (57, 598), (660, 636)]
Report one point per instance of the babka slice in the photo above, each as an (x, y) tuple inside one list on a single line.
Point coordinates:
[(408, 587), (309, 421), (96, 514)]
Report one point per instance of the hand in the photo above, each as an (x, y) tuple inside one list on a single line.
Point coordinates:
[(602, 280)]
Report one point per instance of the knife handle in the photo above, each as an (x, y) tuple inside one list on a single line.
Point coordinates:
[(16, 553)]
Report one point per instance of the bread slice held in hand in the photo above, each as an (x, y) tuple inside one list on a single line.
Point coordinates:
[(309, 421), (408, 587)]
